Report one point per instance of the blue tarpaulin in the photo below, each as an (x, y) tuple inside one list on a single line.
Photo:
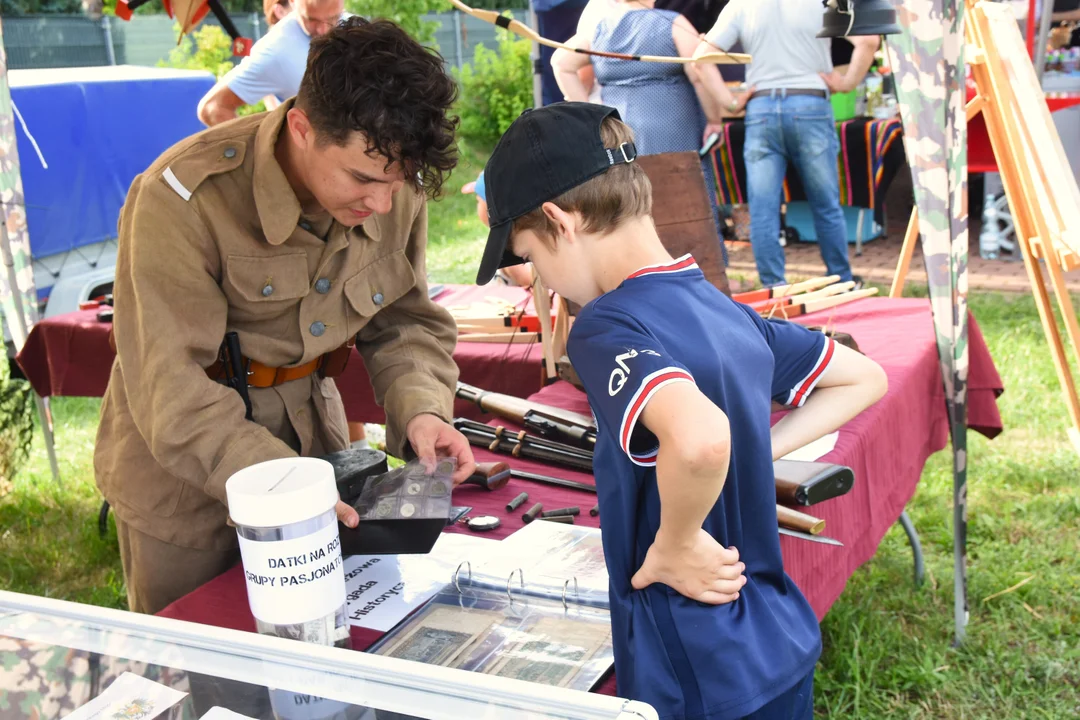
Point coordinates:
[(97, 128)]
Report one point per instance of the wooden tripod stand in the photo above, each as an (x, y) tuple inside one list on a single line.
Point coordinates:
[(1043, 195)]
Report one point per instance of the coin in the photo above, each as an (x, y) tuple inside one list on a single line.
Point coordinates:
[(386, 485), (438, 489), (414, 488), (407, 510), (384, 509)]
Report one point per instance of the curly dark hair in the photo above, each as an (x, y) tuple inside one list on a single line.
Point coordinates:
[(370, 76)]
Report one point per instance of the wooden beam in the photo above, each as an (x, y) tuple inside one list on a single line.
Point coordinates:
[(911, 238)]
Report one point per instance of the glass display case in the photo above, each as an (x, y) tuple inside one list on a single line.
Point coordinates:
[(58, 658)]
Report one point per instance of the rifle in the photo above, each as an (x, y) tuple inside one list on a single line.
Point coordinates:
[(543, 420), (524, 446), (568, 438)]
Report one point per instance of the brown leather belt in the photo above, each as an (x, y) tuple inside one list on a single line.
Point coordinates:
[(782, 92), (330, 364)]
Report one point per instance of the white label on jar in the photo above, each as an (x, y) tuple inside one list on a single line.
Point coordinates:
[(294, 581)]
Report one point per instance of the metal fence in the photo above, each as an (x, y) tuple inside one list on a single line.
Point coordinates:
[(56, 41)]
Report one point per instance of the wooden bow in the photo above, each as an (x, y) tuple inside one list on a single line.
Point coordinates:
[(518, 28)]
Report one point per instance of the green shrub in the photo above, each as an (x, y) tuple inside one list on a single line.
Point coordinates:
[(207, 48), (495, 88), (408, 14), (16, 425)]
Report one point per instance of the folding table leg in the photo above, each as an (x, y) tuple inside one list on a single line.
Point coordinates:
[(916, 547), (45, 413)]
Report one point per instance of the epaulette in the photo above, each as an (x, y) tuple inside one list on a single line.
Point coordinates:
[(188, 170)]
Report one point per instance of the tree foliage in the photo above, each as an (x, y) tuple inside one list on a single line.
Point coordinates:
[(495, 88)]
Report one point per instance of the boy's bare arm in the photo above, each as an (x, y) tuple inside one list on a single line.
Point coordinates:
[(691, 467), (851, 383)]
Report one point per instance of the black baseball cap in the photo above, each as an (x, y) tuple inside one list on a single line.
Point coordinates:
[(543, 154)]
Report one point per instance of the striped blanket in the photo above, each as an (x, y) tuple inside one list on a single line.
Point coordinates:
[(871, 153)]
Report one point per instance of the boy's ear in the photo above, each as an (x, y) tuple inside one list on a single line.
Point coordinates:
[(565, 223)]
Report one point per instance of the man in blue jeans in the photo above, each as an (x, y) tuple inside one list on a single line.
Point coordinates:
[(789, 118)]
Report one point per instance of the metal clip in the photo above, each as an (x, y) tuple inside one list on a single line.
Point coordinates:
[(565, 585), (464, 562), (521, 576)]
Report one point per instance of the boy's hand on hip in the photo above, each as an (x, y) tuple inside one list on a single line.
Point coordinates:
[(697, 567)]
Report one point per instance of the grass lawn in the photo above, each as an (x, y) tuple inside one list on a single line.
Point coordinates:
[(888, 650)]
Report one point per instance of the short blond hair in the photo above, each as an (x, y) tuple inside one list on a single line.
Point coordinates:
[(605, 201)]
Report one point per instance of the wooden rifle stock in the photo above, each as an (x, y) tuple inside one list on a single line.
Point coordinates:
[(543, 420), (795, 520), (490, 476), (808, 483)]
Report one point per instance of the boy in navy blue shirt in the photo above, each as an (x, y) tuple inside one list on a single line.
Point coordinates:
[(706, 623)]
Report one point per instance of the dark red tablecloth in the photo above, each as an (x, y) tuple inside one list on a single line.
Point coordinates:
[(69, 355), (886, 446)]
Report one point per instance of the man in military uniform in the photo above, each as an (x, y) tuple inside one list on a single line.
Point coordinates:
[(300, 230)]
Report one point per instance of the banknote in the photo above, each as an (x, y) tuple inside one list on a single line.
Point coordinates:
[(439, 635), (433, 646)]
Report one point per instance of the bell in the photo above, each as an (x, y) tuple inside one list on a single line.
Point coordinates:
[(845, 18)]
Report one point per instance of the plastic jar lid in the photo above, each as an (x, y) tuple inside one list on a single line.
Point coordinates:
[(281, 492)]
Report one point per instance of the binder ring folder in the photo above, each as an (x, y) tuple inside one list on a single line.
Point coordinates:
[(521, 579), (456, 585), (565, 585)]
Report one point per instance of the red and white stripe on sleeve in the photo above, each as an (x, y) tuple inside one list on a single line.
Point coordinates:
[(649, 385), (804, 387)]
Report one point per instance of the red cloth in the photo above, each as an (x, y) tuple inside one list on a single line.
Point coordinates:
[(887, 447), (69, 355), (511, 369), (980, 153)]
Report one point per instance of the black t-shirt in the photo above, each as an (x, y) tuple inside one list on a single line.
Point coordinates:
[(842, 51), (702, 14)]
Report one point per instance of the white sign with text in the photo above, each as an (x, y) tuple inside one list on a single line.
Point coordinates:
[(297, 580), (383, 589)]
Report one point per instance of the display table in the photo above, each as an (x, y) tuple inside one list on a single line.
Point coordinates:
[(61, 659), (886, 446), (69, 355)]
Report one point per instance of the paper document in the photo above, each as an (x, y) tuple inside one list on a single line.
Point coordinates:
[(220, 713), (129, 697), (814, 450), (383, 589)]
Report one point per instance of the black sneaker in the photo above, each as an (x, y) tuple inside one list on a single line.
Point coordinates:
[(857, 279)]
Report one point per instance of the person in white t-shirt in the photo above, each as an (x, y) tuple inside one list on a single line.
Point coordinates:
[(789, 118), (276, 63)]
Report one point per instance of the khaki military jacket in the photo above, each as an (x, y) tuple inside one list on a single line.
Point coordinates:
[(212, 240)]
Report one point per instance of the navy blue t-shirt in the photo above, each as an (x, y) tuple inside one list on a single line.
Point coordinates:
[(668, 324)]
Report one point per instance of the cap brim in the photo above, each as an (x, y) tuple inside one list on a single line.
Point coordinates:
[(496, 255)]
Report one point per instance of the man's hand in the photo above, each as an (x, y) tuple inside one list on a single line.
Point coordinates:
[(839, 83), (697, 567), (711, 128), (429, 436), (347, 515), (740, 100)]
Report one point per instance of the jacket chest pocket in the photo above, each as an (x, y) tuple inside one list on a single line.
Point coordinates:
[(379, 284), (261, 287)]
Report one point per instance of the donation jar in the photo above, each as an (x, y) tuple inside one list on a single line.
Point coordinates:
[(288, 531)]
